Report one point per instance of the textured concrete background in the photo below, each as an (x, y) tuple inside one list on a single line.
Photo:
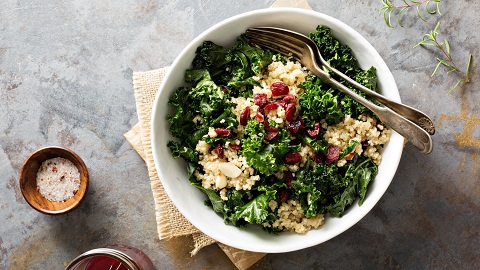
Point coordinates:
[(65, 79)]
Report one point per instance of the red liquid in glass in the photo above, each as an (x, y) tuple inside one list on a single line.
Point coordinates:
[(105, 263)]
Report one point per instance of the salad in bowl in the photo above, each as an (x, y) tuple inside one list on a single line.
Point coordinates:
[(259, 153)]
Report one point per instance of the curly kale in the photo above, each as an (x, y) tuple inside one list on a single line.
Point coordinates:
[(259, 59), (337, 55), (341, 57), (358, 175), (259, 155), (319, 101), (233, 67), (332, 189), (255, 211), (219, 74)]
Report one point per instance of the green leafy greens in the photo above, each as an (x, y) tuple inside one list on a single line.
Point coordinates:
[(219, 74)]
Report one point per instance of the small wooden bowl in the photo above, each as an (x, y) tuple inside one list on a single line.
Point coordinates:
[(28, 182)]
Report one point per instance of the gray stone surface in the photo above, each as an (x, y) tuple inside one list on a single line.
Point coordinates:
[(65, 79)]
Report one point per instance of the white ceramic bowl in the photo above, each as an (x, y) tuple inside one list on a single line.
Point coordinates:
[(173, 172)]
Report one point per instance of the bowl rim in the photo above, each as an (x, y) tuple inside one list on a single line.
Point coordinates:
[(22, 179), (365, 208)]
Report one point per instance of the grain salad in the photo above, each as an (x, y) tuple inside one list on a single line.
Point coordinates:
[(271, 144), (58, 179)]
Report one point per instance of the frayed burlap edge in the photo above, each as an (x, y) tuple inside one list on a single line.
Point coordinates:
[(145, 86)]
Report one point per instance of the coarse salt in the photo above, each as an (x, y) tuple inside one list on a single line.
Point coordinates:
[(58, 179)]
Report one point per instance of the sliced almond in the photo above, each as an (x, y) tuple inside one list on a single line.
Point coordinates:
[(220, 182), (229, 169)]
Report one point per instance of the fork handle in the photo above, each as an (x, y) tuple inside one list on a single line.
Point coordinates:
[(420, 138), (412, 114)]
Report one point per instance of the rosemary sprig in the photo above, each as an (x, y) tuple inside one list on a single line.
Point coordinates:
[(388, 9), (430, 39)]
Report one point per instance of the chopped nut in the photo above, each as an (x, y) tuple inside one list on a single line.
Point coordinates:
[(229, 169)]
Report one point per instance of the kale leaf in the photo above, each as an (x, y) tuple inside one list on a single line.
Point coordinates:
[(282, 143), (318, 145), (233, 67), (337, 55), (259, 155), (259, 59), (358, 175), (183, 117), (256, 211), (341, 57), (348, 148), (213, 57), (319, 101), (206, 95), (214, 198), (179, 150)]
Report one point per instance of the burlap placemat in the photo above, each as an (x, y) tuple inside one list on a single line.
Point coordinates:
[(170, 222)]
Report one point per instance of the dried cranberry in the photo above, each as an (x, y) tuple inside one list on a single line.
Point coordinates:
[(245, 116), (235, 147), (292, 158), (282, 103), (283, 194), (293, 142), (271, 106), (271, 131), (260, 117), (289, 179), (224, 90), (289, 98), (271, 134), (260, 100), (279, 89), (366, 143), (223, 132), (317, 158), (312, 133), (290, 112), (316, 130), (266, 125), (333, 153), (296, 126), (219, 150)]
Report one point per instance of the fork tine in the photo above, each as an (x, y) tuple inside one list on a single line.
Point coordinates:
[(275, 37), (272, 33), (276, 46), (286, 33), (277, 42), (297, 37)]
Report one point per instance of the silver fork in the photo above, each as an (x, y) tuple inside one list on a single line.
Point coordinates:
[(412, 114), (412, 124)]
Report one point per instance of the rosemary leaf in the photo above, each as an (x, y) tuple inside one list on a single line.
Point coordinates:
[(389, 8), (430, 39)]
